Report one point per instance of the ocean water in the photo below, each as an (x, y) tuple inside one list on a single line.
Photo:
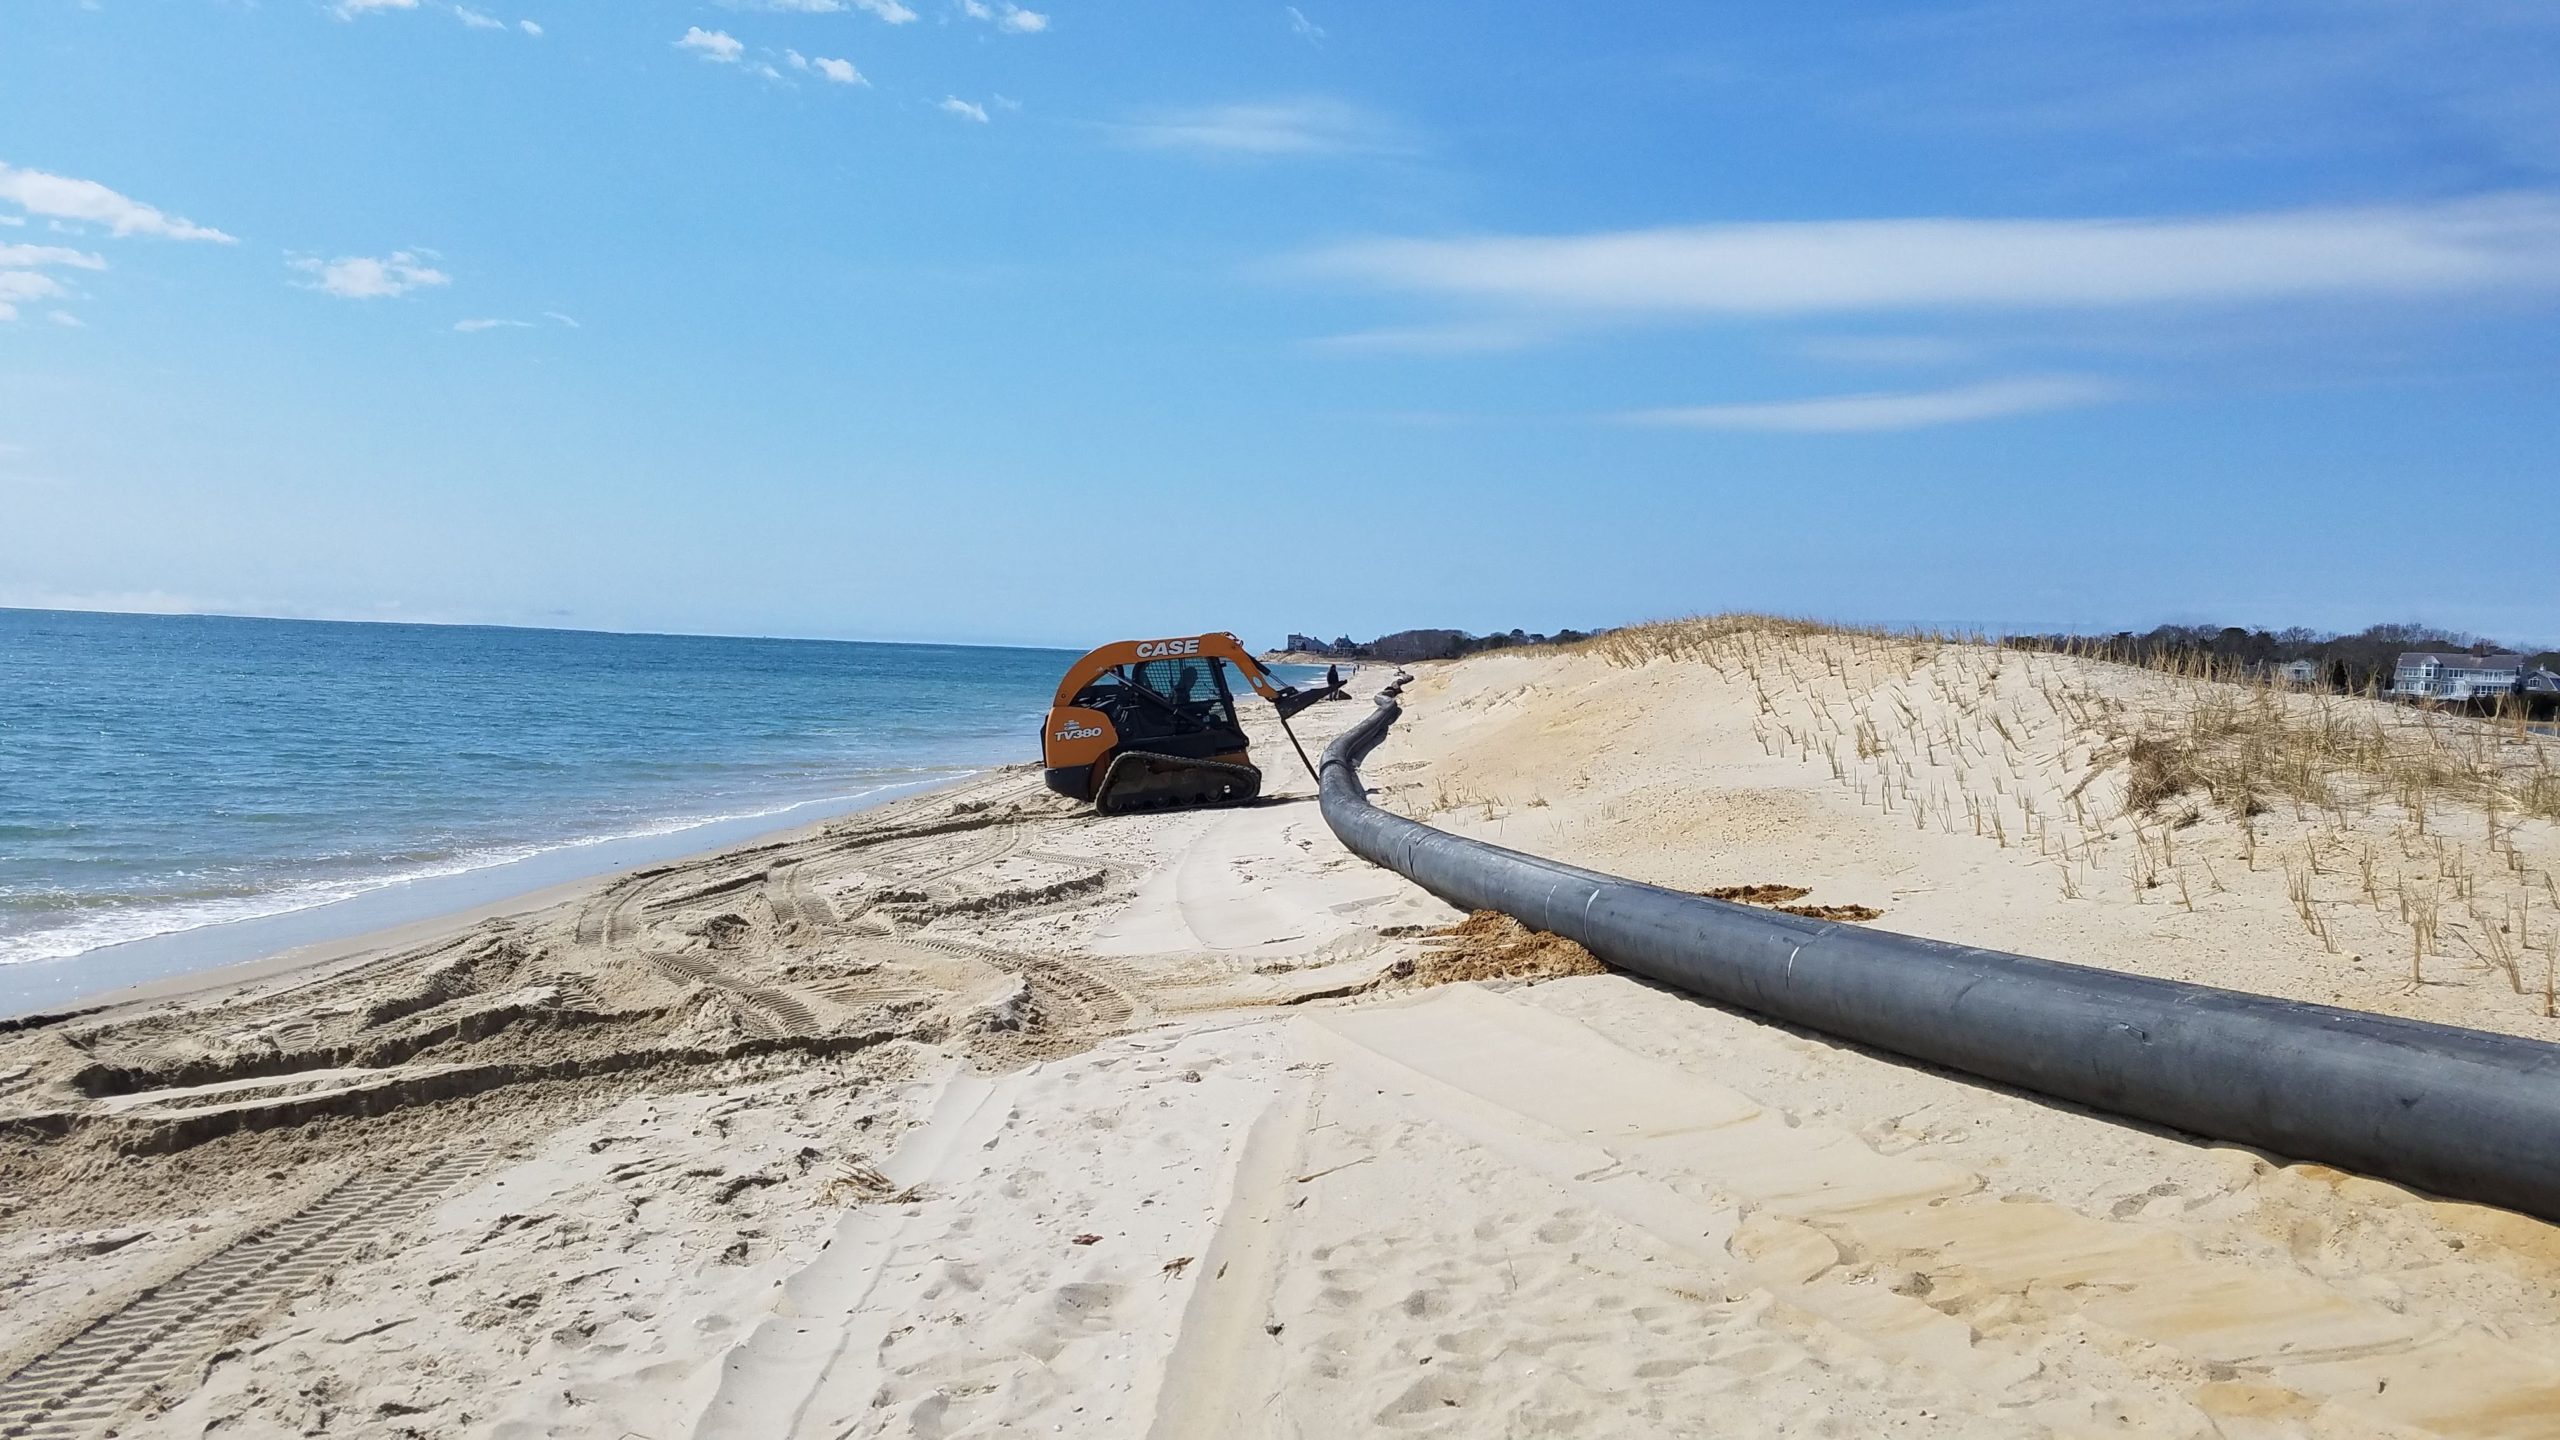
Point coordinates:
[(160, 775)]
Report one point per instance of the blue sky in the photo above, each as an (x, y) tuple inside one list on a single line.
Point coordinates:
[(909, 319)]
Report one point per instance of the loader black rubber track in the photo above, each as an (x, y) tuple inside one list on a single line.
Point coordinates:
[(1144, 780)]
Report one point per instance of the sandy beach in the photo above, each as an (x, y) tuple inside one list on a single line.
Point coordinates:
[(982, 1114)]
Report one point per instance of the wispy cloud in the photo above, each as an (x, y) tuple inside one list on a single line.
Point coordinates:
[(954, 105), (2492, 244), (17, 287), (840, 72), (1891, 410), (487, 323), (475, 18), (1311, 125), (1455, 338), (1302, 27), (1007, 17), (717, 46), (21, 280), (36, 257), (364, 277), (888, 10), (60, 197)]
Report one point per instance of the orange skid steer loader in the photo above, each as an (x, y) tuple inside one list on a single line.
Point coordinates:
[(1151, 724)]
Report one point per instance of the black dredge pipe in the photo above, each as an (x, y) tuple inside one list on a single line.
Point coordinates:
[(2462, 1113)]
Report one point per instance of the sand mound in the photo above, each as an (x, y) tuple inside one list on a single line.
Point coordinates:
[(1489, 945)]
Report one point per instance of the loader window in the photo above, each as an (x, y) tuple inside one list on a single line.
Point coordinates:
[(1197, 688), (1153, 698)]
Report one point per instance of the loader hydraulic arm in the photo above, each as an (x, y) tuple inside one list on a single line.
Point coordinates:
[(1287, 699)]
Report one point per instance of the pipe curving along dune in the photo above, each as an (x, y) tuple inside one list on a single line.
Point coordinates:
[(2463, 1113)]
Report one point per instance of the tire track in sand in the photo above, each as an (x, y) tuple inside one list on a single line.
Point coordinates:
[(780, 1012), (786, 889), (80, 1385), (1004, 842), (612, 915), (1079, 1002)]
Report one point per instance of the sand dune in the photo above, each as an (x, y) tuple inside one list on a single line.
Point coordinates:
[(984, 1115)]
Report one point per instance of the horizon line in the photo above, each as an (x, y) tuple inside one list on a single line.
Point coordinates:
[(534, 629), (1988, 633)]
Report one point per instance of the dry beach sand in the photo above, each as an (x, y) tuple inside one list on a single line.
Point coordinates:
[(982, 1115)]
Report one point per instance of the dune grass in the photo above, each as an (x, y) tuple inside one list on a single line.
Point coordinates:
[(2180, 782)]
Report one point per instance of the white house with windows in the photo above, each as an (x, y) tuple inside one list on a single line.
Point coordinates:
[(2435, 675)]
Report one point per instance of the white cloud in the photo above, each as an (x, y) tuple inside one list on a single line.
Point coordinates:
[(20, 282), (361, 277), (1307, 126), (839, 71), (350, 9), (59, 197), (1301, 26), (67, 320), (954, 105), (36, 257), (2489, 244), (476, 20), (717, 46), (888, 10), (1896, 410), (19, 286), (530, 28), (563, 319), (1006, 17), (474, 327)]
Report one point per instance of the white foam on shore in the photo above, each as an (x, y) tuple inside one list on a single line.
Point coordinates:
[(125, 924)]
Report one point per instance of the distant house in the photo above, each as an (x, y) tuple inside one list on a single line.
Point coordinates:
[(2295, 672), (2435, 675), (2541, 681)]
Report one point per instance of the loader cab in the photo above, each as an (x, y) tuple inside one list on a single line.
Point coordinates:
[(1180, 706)]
